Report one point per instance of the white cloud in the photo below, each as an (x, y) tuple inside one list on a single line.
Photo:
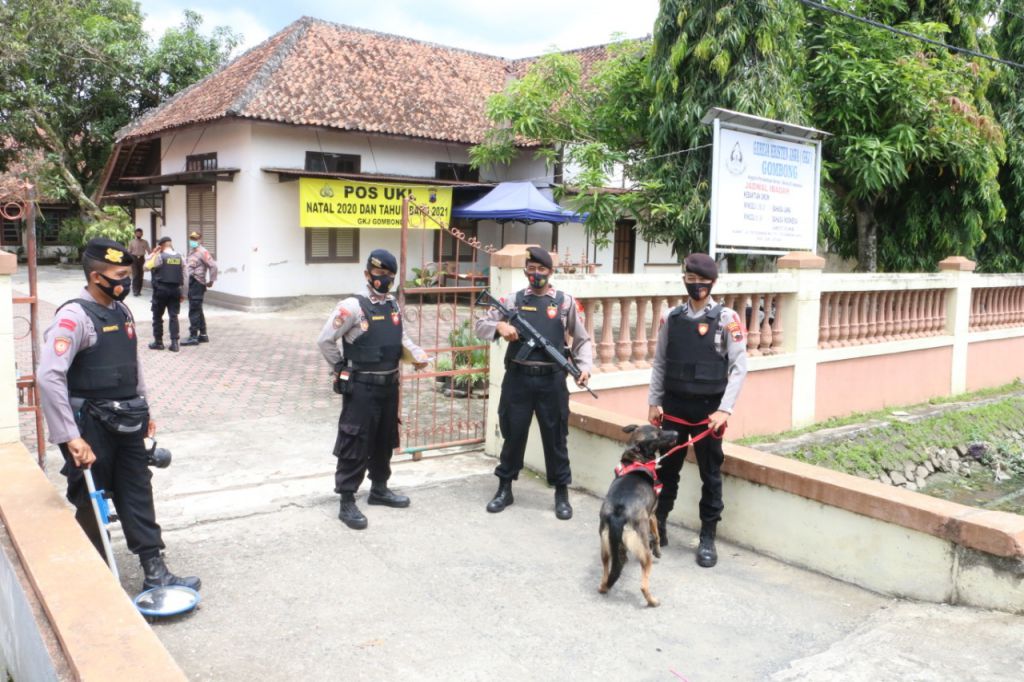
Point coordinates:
[(161, 16)]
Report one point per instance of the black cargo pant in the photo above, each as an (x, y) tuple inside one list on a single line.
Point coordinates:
[(708, 451), (367, 435), (524, 395), (137, 274), (169, 299), (121, 470), (196, 318)]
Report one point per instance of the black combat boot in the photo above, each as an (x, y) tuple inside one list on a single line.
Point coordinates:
[(157, 575), (157, 345), (203, 338), (707, 556), (503, 497), (563, 510), (191, 341), (174, 346), (662, 529), (379, 494), (350, 514)]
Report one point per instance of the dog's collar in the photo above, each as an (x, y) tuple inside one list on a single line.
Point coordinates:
[(648, 468)]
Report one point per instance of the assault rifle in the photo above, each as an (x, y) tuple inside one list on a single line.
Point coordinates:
[(531, 338)]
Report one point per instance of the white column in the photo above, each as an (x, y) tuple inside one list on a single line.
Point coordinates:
[(960, 272), (801, 314), (8, 379)]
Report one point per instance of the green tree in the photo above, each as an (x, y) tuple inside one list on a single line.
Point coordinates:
[(591, 123), (916, 148), (742, 55), (1003, 250), (184, 56), (73, 72)]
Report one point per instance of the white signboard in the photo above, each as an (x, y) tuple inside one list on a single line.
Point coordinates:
[(764, 193)]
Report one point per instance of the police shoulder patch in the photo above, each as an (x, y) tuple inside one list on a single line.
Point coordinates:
[(61, 344), (65, 323)]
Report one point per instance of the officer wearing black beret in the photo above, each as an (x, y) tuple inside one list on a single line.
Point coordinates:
[(535, 385), (700, 362), (168, 268), (94, 400), (363, 340)]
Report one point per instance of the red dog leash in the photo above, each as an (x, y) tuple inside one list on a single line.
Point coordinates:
[(700, 436)]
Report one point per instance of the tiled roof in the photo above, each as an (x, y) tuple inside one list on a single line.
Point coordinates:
[(319, 73), (27, 164)]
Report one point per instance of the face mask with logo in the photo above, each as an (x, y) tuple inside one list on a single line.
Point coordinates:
[(698, 291), (537, 280), (193, 244), (112, 285), (381, 283)]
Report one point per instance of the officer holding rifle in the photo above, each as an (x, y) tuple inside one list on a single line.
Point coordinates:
[(534, 382)]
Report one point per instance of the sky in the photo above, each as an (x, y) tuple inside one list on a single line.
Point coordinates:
[(505, 28)]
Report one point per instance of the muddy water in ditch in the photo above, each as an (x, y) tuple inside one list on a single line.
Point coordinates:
[(979, 490)]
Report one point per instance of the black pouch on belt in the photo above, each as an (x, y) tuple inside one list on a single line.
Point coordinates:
[(342, 379), (120, 416)]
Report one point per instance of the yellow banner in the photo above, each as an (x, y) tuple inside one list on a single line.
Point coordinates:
[(348, 203)]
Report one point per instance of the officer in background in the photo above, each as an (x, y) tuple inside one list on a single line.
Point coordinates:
[(168, 269), (536, 385), (369, 329), (201, 271), (138, 248), (93, 397), (700, 362)]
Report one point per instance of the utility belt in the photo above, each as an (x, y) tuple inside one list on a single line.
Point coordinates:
[(541, 370), (345, 377), (122, 417)]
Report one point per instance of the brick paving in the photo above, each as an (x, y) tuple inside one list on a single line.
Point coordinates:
[(257, 366)]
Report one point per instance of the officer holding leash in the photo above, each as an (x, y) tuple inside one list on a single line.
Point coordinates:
[(700, 362), (93, 397), (534, 384), (369, 329)]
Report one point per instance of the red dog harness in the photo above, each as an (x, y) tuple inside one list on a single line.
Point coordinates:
[(650, 468)]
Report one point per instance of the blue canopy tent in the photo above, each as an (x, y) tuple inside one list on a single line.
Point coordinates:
[(519, 202)]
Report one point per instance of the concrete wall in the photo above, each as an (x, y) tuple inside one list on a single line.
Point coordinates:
[(990, 361), (892, 541)]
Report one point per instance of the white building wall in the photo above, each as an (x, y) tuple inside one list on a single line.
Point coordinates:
[(260, 245)]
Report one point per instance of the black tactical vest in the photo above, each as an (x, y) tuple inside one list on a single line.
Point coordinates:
[(110, 368), (545, 314), (693, 365), (170, 270), (379, 347)]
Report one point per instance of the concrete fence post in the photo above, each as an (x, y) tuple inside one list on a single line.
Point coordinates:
[(506, 275), (960, 271), (8, 375), (801, 313)]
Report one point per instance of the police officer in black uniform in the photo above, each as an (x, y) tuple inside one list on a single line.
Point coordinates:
[(93, 397), (373, 341), (168, 268), (534, 384), (700, 362)]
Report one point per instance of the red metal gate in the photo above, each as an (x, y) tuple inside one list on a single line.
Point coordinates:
[(21, 207), (446, 404)]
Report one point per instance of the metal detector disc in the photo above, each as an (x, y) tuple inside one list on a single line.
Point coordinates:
[(161, 602)]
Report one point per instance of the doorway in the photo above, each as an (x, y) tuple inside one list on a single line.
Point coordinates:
[(624, 254)]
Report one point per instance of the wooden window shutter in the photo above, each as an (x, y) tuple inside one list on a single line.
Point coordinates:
[(201, 214)]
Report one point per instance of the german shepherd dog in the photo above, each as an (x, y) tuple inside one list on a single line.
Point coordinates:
[(627, 515)]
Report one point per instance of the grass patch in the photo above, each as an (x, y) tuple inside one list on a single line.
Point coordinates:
[(860, 417), (887, 448)]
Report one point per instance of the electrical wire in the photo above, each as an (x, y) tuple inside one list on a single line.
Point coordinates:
[(907, 34)]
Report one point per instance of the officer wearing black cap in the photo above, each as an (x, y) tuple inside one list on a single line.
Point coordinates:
[(93, 398), (364, 340), (699, 366), (168, 268), (535, 385)]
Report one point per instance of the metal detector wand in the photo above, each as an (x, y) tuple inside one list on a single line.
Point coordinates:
[(102, 511)]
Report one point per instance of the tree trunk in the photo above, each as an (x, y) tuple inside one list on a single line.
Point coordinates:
[(867, 237), (53, 143)]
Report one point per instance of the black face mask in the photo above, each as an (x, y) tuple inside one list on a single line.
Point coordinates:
[(698, 291), (381, 283), (537, 280), (112, 284)]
